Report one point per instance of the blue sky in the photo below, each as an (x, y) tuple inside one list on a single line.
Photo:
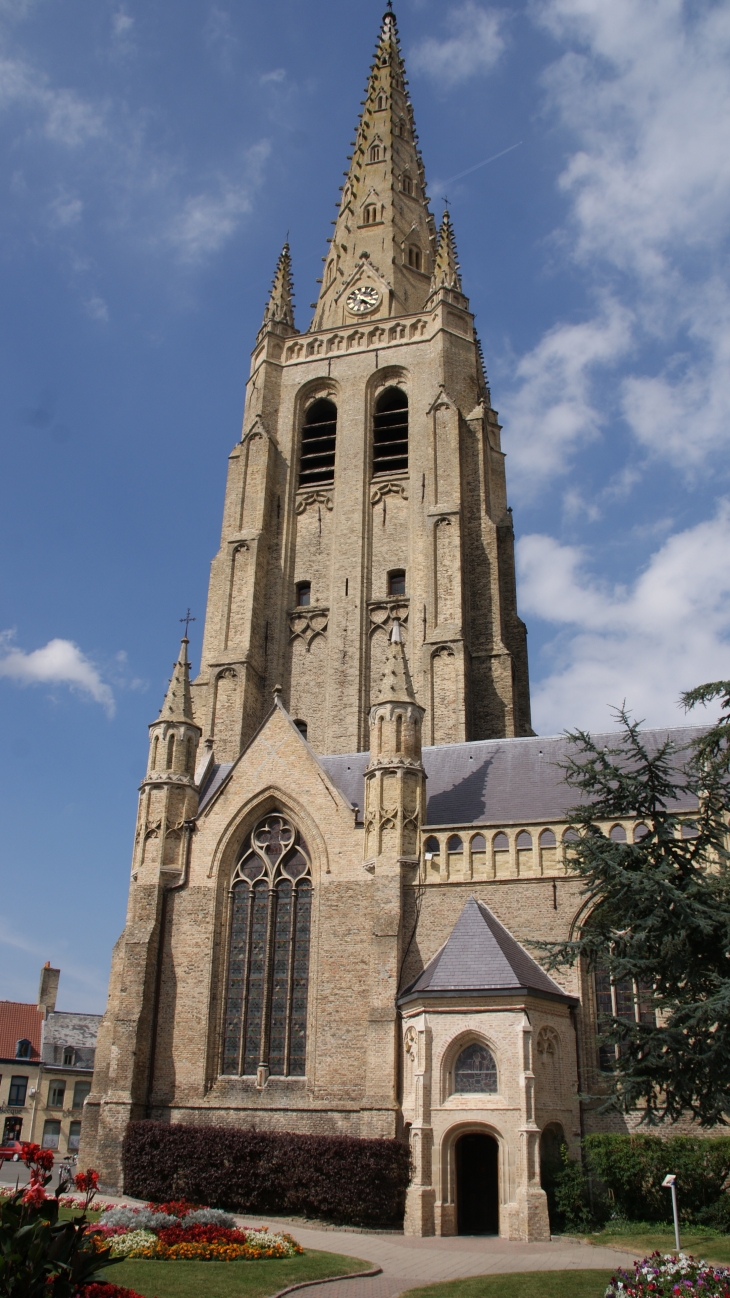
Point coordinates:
[(153, 158)]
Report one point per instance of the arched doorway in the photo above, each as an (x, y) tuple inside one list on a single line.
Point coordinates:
[(552, 1139), (477, 1184)]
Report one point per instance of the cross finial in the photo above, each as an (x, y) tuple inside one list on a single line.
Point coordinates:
[(446, 202), (187, 620)]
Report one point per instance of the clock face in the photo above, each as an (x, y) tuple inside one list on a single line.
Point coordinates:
[(363, 299)]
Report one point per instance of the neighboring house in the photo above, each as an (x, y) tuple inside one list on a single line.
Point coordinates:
[(47, 1062)]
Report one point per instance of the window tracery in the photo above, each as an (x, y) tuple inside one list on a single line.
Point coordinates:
[(268, 966), (475, 1071)]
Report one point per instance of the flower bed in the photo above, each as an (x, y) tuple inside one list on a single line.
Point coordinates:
[(174, 1231), (671, 1276)]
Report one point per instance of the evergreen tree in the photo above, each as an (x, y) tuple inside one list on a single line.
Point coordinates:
[(657, 910)]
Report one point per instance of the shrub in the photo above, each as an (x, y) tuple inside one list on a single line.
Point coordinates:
[(717, 1215), (570, 1196), (210, 1217), (339, 1178), (632, 1169), (137, 1218)]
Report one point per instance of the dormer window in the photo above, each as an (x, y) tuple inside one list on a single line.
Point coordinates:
[(407, 185), (22, 1049), (375, 153), (304, 594), (69, 1057), (370, 214), (380, 103), (414, 257)]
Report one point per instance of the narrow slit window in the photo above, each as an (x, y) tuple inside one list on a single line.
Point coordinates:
[(397, 582), (375, 153), (407, 185), (414, 257), (319, 434), (390, 432), (370, 214), (304, 594)]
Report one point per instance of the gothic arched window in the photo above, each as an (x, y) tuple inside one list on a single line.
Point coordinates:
[(268, 964), (475, 1071), (390, 432), (319, 433), (622, 999)]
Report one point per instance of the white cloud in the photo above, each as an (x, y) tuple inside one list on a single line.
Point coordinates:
[(475, 45), (553, 410), (60, 662), (65, 210), (97, 309), (207, 220), (645, 642), (122, 24), (66, 117), (278, 74), (644, 93)]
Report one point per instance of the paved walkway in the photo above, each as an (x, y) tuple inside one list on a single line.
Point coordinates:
[(408, 1262)]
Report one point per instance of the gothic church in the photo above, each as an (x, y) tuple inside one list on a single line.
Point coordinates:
[(348, 832)]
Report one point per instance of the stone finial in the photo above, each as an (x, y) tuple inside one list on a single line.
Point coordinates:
[(280, 306), (446, 267), (178, 704)]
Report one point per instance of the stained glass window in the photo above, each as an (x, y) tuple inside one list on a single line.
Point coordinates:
[(265, 1021), (475, 1071)]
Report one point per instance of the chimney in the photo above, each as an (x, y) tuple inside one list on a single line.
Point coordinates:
[(48, 989)]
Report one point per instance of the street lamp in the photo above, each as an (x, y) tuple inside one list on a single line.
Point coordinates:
[(669, 1183)]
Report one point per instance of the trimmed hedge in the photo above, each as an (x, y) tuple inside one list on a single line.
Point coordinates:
[(632, 1168), (339, 1178)]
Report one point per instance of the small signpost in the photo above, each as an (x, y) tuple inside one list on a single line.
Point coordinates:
[(669, 1183)]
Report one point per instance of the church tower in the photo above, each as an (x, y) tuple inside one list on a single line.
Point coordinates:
[(368, 487)]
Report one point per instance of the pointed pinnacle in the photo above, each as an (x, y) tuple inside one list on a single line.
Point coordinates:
[(446, 267), (178, 703), (280, 306), (395, 681)]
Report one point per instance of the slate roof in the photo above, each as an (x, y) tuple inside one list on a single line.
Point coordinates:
[(481, 955), (19, 1021), (489, 782), (493, 781)]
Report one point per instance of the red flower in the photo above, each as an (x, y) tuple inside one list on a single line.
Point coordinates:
[(35, 1194), (86, 1181)]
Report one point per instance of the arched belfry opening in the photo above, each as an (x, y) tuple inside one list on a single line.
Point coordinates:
[(319, 435), (477, 1184), (390, 432)]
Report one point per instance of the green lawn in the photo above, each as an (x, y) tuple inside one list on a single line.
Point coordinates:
[(523, 1284), (228, 1279), (643, 1239)]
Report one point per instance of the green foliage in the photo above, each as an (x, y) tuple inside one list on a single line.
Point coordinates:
[(571, 1196), (659, 910), (41, 1256), (632, 1169)]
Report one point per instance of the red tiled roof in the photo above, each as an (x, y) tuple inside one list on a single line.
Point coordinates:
[(18, 1022)]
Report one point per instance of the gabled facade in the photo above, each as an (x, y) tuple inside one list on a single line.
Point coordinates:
[(46, 1066), (351, 785)]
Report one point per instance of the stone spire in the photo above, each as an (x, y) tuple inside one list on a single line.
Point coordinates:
[(384, 237), (446, 267), (178, 704), (395, 684), (280, 306)]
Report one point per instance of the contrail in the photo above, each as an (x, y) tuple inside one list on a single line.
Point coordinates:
[(477, 165)]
